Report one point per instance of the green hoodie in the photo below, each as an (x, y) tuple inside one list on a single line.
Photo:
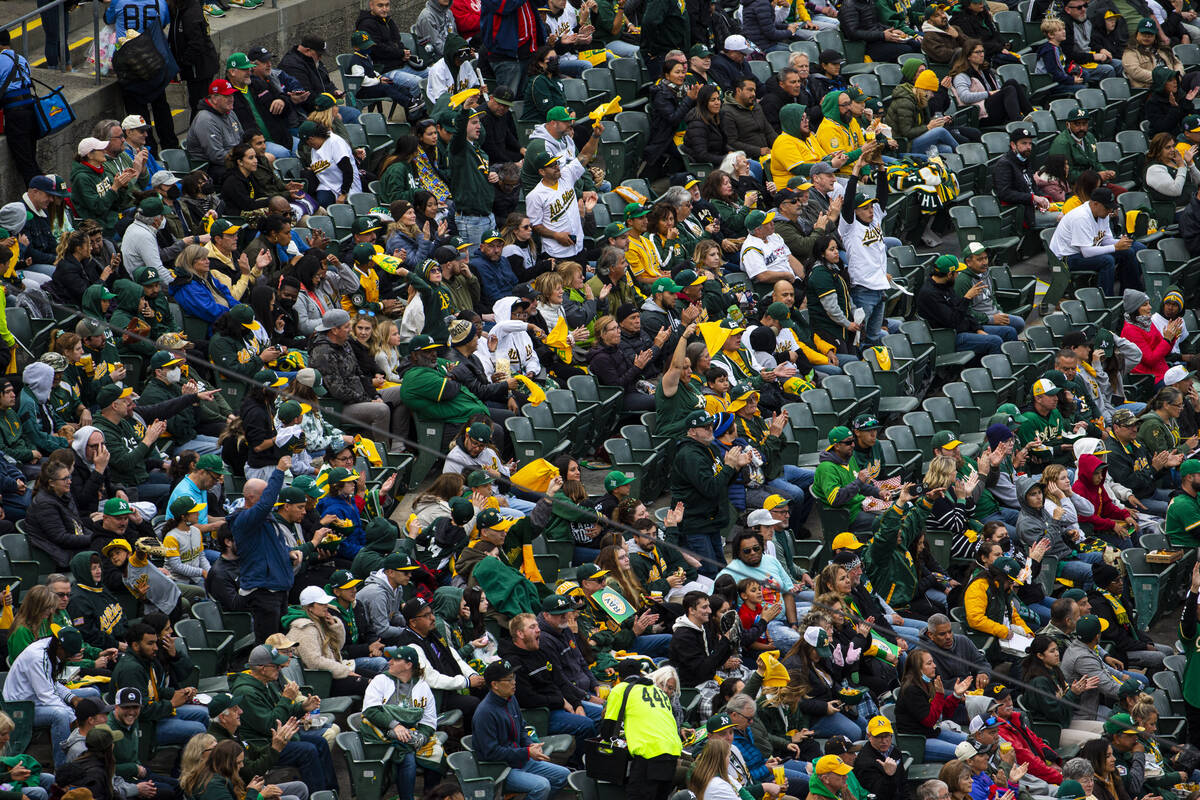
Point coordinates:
[(790, 117), (292, 614), (263, 704), (447, 601), (887, 559), (93, 609), (92, 298), (94, 196), (380, 540), (129, 298), (905, 114)]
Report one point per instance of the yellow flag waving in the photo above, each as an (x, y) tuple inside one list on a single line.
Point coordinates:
[(535, 475), (714, 334), (536, 395), (460, 98), (606, 109), (557, 338)]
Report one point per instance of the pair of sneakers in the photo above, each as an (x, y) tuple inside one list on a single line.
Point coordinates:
[(217, 8)]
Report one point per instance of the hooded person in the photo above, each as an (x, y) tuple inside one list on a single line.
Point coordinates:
[(93, 609), (89, 485), (514, 340), (38, 422), (1033, 525), (380, 537), (796, 149), (1140, 329), (455, 631), (399, 698), (435, 29), (127, 316), (838, 131), (1110, 521), (1166, 106), (454, 71)]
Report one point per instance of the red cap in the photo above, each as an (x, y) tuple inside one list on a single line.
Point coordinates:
[(221, 86)]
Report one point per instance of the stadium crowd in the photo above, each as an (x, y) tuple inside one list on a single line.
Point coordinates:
[(872, 527)]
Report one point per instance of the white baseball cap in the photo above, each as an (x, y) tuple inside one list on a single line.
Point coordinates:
[(1176, 374), (89, 145), (133, 122), (737, 42), (314, 594), (760, 516)]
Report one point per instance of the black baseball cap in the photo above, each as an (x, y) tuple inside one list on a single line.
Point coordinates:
[(1104, 197), (260, 54), (1016, 134), (498, 670), (831, 56)]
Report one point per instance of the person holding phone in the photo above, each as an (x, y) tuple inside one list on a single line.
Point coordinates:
[(924, 702)]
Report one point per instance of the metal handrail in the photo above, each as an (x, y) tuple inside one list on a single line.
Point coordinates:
[(64, 59)]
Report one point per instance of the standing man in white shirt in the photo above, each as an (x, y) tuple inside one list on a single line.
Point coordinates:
[(553, 207), (1084, 241), (861, 231), (765, 257)]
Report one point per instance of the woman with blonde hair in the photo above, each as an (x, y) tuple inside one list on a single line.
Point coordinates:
[(667, 679), (549, 286), (196, 288), (579, 301), (710, 778), (32, 620), (435, 501), (958, 779), (716, 294), (955, 503), (520, 246), (615, 559), (195, 753)]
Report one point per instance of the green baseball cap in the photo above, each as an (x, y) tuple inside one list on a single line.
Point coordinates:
[(756, 218), (117, 507), (361, 40), (308, 484), (1189, 467), (945, 265), (220, 703), (238, 61), (289, 495), (718, 722), (1147, 26), (557, 604), (665, 284), (403, 653), (399, 561), (778, 311), (363, 252), (211, 462), (614, 229), (636, 210), (560, 114), (616, 479), (1122, 723), (839, 435)]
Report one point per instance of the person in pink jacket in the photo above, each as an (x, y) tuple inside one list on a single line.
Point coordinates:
[(1140, 329), (1112, 523)]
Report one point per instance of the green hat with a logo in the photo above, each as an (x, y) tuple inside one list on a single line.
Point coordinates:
[(361, 40), (238, 61)]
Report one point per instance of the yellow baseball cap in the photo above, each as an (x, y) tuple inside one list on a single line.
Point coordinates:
[(880, 725), (828, 764), (846, 541)]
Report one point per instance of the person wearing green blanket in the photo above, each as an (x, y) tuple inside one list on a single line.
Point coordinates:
[(399, 709), (429, 390), (91, 608)]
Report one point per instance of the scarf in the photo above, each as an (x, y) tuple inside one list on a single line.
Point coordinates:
[(1118, 608)]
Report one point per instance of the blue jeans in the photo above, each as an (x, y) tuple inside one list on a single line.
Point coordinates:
[(510, 72), (709, 548), (59, 719), (1121, 264), (1099, 72), (840, 725), (794, 484), (622, 49), (406, 775), (349, 114), (309, 753), (537, 780), (473, 228), (985, 343), (407, 78), (940, 138), (369, 665), (939, 750), (1156, 503), (201, 444), (655, 645), (871, 302), (573, 67), (187, 722), (782, 634), (1006, 515), (278, 150), (581, 727), (1016, 322)]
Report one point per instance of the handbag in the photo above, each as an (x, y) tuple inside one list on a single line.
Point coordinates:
[(608, 759), (4, 88), (52, 110)]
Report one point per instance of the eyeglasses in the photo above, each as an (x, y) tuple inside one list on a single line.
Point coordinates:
[(751, 550), (62, 595)]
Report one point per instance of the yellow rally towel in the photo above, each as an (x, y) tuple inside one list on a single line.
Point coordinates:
[(535, 476), (557, 339), (594, 57), (605, 109), (529, 566), (367, 449), (460, 98), (389, 264), (714, 334), (536, 395), (629, 195)]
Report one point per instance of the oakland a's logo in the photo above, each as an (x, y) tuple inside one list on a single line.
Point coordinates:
[(615, 604)]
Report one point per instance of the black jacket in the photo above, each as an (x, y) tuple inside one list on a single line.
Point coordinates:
[(539, 682), (387, 53), (312, 76), (941, 307), (1163, 116), (86, 772), (469, 372), (54, 524), (703, 140), (612, 366), (668, 109), (696, 654), (859, 21), (868, 768), (88, 487), (190, 43), (436, 651), (42, 242), (774, 99), (1189, 224), (71, 279), (562, 646), (500, 140), (982, 27), (1013, 181), (222, 585), (632, 344), (259, 423), (727, 72), (263, 94)]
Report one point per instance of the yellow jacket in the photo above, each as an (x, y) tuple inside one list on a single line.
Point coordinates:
[(834, 137), (788, 151), (643, 259), (976, 602)]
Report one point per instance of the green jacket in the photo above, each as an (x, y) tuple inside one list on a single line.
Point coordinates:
[(219, 788), (431, 395), (671, 412), (129, 299), (756, 430), (563, 515), (181, 426), (1182, 525), (397, 183), (234, 355), (12, 438), (700, 480), (125, 752), (888, 560), (1052, 428), (542, 93), (127, 464), (653, 567), (379, 542), (836, 484), (1045, 705), (907, 118), (438, 304), (1080, 153), (95, 198), (155, 684), (263, 704), (1157, 434), (469, 167), (30, 412)]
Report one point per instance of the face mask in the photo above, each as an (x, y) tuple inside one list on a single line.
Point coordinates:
[(926, 678), (174, 374), (207, 187), (174, 192), (552, 65), (162, 223), (1021, 158), (1003, 543), (1143, 321)]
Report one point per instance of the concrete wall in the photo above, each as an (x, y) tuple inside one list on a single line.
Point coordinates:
[(275, 28)]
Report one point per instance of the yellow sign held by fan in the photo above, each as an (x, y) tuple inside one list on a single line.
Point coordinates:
[(535, 476), (389, 264)]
